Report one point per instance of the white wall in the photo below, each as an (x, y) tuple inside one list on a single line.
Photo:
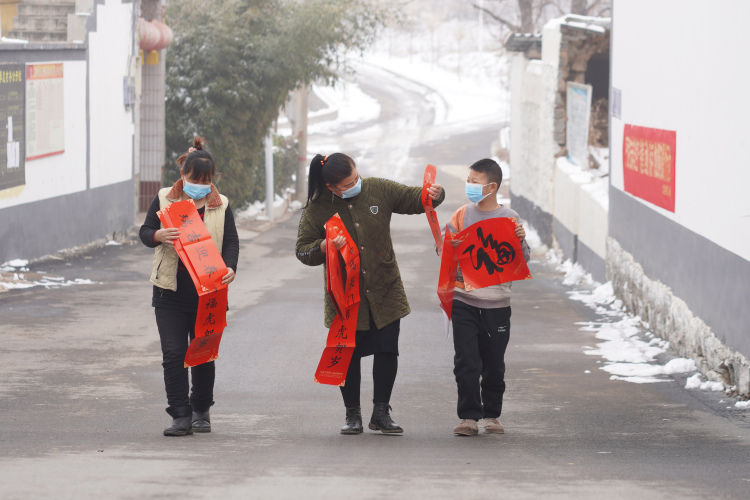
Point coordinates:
[(65, 173), (532, 150), (111, 123), (672, 76)]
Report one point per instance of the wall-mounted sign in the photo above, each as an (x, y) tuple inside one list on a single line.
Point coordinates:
[(577, 126), (12, 151), (44, 110), (648, 162)]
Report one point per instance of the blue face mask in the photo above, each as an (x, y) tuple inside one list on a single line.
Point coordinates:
[(196, 191), (353, 191), (474, 192)]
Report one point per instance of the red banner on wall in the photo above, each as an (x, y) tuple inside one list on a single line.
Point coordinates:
[(429, 178), (648, 162), (342, 284), (202, 258)]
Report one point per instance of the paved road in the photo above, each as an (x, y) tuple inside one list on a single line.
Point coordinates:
[(82, 396)]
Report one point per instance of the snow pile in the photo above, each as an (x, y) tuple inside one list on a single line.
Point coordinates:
[(742, 405), (574, 274), (14, 266), (629, 349), (696, 382)]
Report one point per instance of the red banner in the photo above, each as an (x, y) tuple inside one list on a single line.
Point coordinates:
[(202, 258), (342, 284), (491, 253), (429, 178), (648, 160), (447, 278)]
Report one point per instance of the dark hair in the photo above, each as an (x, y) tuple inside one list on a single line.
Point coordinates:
[(491, 168), (324, 170), (197, 162)]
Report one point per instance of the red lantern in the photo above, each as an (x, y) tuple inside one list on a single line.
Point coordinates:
[(149, 35), (166, 35)]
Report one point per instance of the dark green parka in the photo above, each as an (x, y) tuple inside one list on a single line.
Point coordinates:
[(367, 217)]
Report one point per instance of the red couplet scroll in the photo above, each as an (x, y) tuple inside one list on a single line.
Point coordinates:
[(429, 178), (342, 284), (202, 258), (448, 271)]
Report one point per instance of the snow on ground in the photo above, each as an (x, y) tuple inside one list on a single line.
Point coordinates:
[(629, 350), (15, 275), (346, 105), (463, 87)]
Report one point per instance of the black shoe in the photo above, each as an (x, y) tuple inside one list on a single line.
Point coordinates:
[(353, 421), (180, 427), (201, 421), (381, 420)]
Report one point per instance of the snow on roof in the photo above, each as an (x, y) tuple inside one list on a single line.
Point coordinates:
[(587, 23)]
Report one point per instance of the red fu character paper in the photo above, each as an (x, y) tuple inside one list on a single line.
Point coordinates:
[(201, 257), (342, 283), (429, 179), (491, 253)]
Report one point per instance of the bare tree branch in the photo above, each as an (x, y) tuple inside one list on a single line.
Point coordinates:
[(504, 22)]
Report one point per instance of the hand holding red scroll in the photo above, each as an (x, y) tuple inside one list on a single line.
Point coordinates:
[(429, 178), (202, 258), (342, 284)]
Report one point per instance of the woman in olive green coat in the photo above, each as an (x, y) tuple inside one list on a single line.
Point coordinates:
[(365, 207)]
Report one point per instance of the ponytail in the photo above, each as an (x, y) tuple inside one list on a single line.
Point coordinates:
[(327, 170)]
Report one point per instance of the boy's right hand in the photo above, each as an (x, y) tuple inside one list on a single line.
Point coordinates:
[(457, 242), (167, 235)]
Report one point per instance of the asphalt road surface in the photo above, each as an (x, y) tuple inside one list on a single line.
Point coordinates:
[(82, 398)]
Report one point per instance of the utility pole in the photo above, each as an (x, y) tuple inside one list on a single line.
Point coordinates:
[(269, 176), (301, 125)]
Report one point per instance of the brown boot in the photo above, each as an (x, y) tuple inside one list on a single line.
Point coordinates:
[(467, 427), (492, 426)]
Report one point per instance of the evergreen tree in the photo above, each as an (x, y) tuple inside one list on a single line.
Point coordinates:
[(233, 64)]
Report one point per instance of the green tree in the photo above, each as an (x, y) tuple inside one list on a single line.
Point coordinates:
[(233, 64)]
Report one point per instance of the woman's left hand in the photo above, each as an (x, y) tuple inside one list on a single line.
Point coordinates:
[(434, 191), (229, 277)]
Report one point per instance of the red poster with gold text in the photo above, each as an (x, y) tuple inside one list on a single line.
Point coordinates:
[(491, 253), (648, 161), (202, 258), (342, 283), (429, 179)]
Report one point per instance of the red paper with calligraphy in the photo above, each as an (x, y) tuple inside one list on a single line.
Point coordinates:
[(491, 253), (342, 283), (648, 160), (447, 278), (429, 178), (202, 258)]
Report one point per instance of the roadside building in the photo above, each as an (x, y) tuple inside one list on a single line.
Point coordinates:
[(651, 198), (71, 81)]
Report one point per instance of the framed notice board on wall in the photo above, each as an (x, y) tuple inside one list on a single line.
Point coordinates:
[(12, 115), (45, 106)]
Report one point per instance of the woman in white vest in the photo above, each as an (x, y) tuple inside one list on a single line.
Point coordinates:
[(175, 299)]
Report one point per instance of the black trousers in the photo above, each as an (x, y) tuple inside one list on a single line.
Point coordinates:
[(383, 344), (175, 331), (480, 338)]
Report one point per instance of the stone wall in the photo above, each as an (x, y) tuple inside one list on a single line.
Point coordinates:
[(670, 318)]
